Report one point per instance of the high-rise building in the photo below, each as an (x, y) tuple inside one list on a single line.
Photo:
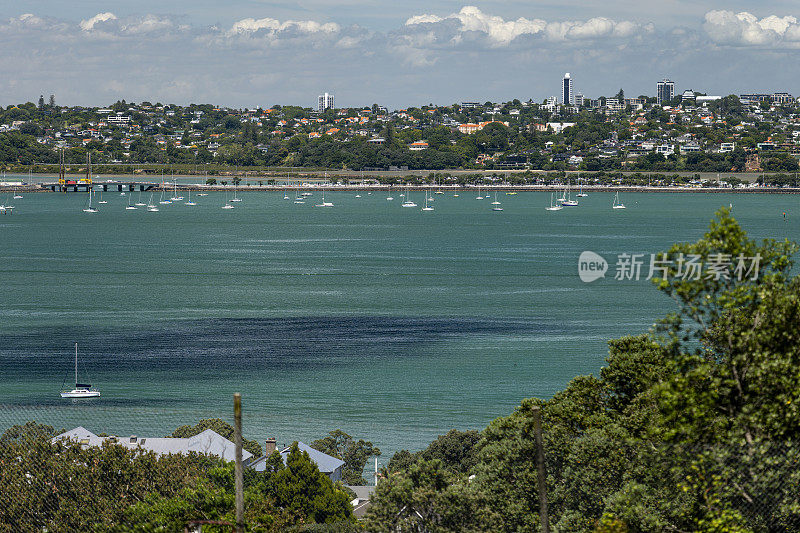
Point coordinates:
[(665, 91), (566, 90), (325, 101)]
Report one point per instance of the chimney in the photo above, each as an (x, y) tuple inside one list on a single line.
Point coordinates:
[(269, 447)]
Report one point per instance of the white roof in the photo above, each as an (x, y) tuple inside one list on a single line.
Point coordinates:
[(208, 442)]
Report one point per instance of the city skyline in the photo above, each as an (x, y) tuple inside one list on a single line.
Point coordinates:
[(426, 54)]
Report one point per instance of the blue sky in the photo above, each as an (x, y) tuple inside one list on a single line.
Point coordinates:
[(258, 53)]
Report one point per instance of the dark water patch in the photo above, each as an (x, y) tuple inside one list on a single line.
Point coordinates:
[(186, 348)]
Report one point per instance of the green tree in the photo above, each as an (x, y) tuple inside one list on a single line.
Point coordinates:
[(354, 453)]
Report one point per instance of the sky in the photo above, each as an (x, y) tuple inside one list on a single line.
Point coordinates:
[(251, 53)]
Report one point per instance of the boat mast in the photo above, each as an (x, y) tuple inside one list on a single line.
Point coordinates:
[(76, 365)]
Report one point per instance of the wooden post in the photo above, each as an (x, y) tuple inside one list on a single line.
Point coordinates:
[(237, 428), (542, 478)]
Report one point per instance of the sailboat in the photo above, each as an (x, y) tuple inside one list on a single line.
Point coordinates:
[(162, 201), (617, 204), (324, 203), (175, 197), (581, 194), (479, 197), (89, 208), (235, 198), (81, 390), (17, 196), (427, 206), (568, 201), (140, 203), (151, 206), (496, 204), (553, 207), (227, 202), (408, 202), (101, 199), (189, 201), (130, 207)]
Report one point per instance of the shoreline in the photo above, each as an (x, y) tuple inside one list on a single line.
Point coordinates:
[(111, 186)]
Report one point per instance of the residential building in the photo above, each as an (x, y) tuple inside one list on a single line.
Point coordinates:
[(566, 90), (419, 145), (726, 147), (330, 466), (208, 442), (665, 91), (324, 101)]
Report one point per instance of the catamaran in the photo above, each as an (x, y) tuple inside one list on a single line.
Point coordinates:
[(81, 390)]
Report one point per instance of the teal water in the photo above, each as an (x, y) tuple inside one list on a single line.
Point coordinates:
[(393, 324)]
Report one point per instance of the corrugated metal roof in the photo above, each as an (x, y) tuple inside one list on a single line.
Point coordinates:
[(208, 442)]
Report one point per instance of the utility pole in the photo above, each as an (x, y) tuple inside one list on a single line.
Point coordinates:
[(542, 485), (237, 429)]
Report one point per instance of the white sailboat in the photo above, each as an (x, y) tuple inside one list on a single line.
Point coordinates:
[(162, 201), (140, 203), (479, 197), (496, 204), (581, 194), (151, 206), (89, 208), (101, 199), (324, 203), (408, 202), (617, 204), (189, 201), (227, 202), (568, 201), (130, 206), (427, 206), (17, 196), (81, 390), (235, 198), (553, 207), (175, 197)]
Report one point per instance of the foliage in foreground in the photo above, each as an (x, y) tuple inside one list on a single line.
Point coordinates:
[(693, 427), (62, 487)]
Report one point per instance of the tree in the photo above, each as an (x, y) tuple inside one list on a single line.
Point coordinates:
[(41, 102), (354, 453), (306, 493)]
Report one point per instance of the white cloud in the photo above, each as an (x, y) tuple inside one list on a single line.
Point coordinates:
[(87, 25), (745, 29), (501, 32), (251, 25)]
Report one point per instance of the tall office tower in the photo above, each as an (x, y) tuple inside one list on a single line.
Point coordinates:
[(566, 90), (325, 101), (665, 91)]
